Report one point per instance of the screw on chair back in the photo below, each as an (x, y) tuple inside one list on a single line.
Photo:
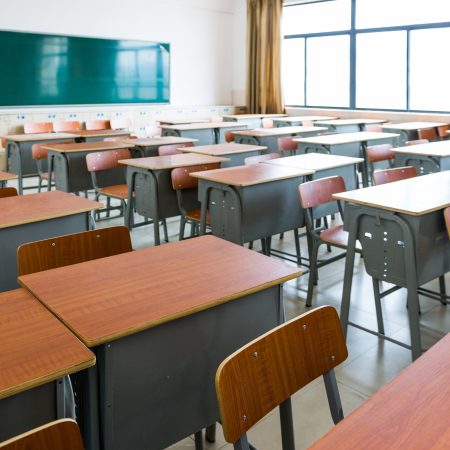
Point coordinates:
[(381, 152), (72, 249), (66, 126), (417, 142), (447, 219), (442, 131), (374, 128), (229, 136), (167, 150), (8, 192), (58, 435), (97, 125), (38, 127), (395, 174), (287, 144), (260, 158), (267, 123), (266, 372), (120, 124), (428, 133)]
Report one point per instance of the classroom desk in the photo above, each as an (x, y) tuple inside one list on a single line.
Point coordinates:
[(252, 202), (236, 153), (348, 125), (268, 137), (296, 121), (6, 176), (67, 163), (181, 121), (408, 130), (18, 157), (323, 165), (160, 320), (36, 352), (426, 158), (150, 185), (403, 237), (411, 411), (206, 133), (99, 135), (28, 218), (150, 146), (251, 120), (346, 144)]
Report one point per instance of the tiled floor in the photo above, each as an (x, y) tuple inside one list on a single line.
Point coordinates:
[(371, 362)]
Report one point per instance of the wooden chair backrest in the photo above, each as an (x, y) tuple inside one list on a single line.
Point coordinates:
[(120, 124), (72, 249), (153, 130), (106, 160), (428, 133), (216, 118), (167, 150), (38, 152), (260, 158), (97, 125), (447, 219), (181, 178), (229, 136), (374, 128), (417, 142), (263, 374), (319, 192), (267, 123), (391, 175), (8, 192), (38, 127), (62, 434), (442, 131), (381, 152), (286, 144), (307, 123), (66, 125)]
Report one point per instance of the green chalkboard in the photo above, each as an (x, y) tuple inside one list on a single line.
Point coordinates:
[(44, 69)]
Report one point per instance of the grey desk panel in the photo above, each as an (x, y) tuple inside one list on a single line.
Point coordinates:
[(423, 163), (220, 132), (250, 123), (205, 136)]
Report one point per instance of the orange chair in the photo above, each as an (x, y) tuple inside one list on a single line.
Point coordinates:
[(307, 123), (267, 123), (391, 175), (167, 150), (286, 145), (379, 153), (186, 188), (260, 158), (447, 219), (153, 130), (8, 192), (216, 118), (417, 142), (66, 126), (39, 154), (373, 128), (442, 132), (229, 136), (428, 133), (97, 125), (38, 127)]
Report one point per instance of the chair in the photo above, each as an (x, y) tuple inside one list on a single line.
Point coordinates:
[(417, 142), (72, 249), (120, 124), (66, 126), (153, 130), (447, 219), (287, 145), (97, 125), (379, 153), (373, 128), (38, 127), (307, 123), (40, 154), (266, 372), (8, 192), (167, 150), (260, 158), (229, 136), (442, 132), (62, 434), (428, 133), (186, 188), (267, 123), (216, 118), (391, 175)]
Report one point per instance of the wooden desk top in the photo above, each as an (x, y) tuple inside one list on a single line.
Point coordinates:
[(35, 347), (22, 209), (350, 121), (252, 116), (315, 161), (171, 162), (346, 138), (201, 126), (301, 118), (414, 196), (78, 147), (250, 175), (34, 137), (156, 141), (5, 176), (181, 121), (414, 125), (410, 412), (222, 149), (105, 133), (278, 131), (108, 298), (441, 148)]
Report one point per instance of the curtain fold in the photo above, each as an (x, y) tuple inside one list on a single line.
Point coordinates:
[(264, 56)]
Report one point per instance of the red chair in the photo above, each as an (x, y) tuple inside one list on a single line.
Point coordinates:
[(417, 142), (216, 118), (260, 158), (428, 133), (373, 128), (391, 175), (122, 123), (447, 219), (287, 145), (39, 153), (267, 123), (38, 127), (442, 132), (167, 150), (307, 123), (153, 130), (186, 188), (379, 153), (8, 192), (66, 126), (229, 136), (97, 125)]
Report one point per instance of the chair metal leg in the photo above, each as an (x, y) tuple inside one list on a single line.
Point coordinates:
[(242, 443), (210, 433), (281, 235), (182, 227), (192, 229), (442, 290), (297, 247), (39, 184), (198, 440), (250, 245), (166, 234), (378, 309), (312, 270), (334, 399), (287, 426)]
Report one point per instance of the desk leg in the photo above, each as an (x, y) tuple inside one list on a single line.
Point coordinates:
[(15, 163), (364, 166), (50, 163), (131, 180)]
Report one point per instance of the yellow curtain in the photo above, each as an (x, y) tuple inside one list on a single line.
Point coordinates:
[(264, 56)]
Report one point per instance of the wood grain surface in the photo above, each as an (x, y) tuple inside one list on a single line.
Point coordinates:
[(279, 131), (346, 138), (222, 149), (78, 147), (315, 161)]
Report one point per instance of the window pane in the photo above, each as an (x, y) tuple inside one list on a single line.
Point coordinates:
[(293, 70), (317, 17), (381, 70), (429, 70), (386, 13), (327, 71)]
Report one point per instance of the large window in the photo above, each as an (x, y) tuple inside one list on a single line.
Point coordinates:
[(367, 54)]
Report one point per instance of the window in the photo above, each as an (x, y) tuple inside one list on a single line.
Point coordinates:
[(293, 71)]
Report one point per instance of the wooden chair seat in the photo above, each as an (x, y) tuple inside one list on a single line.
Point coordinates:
[(119, 191), (195, 215), (337, 236)]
